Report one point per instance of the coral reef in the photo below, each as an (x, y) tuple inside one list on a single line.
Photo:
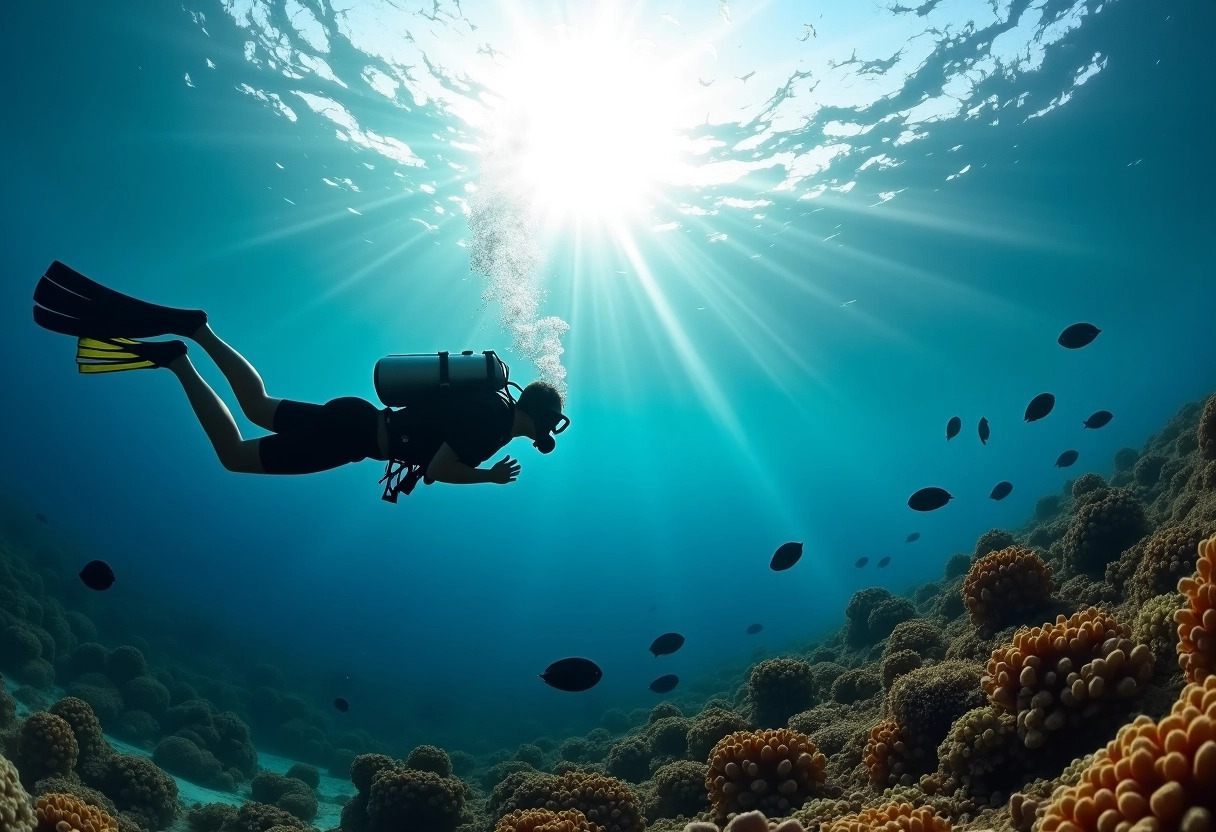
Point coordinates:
[(1050, 676), (45, 747), (63, 812), (1003, 585), (924, 703), (1152, 775), (679, 789), (428, 758), (1206, 433), (544, 820), (1101, 529), (992, 540), (772, 771), (779, 688), (604, 801), (16, 815), (711, 725), (1197, 620)]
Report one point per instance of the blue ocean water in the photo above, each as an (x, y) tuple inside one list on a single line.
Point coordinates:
[(884, 226)]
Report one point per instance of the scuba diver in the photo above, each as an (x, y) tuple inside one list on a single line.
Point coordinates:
[(454, 411)]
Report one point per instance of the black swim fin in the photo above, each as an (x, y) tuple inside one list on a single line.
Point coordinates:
[(114, 355), (72, 304)]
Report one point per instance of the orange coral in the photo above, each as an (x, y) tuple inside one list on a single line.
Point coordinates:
[(773, 771), (604, 801), (885, 753), (1152, 775), (894, 817), (65, 813), (544, 820), (1197, 620), (1048, 675), (1002, 583)]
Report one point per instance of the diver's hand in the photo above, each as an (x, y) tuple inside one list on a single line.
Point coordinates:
[(504, 471)]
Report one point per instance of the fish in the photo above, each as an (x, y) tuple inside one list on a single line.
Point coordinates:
[(41, 517), (861, 562), (665, 684), (912, 538), (341, 704), (1039, 407), (882, 564), (752, 629), (572, 675), (1077, 336), (744, 78), (1001, 490), (1099, 420), (787, 555), (1066, 459), (953, 427), (666, 644), (97, 575), (929, 499), (984, 431)]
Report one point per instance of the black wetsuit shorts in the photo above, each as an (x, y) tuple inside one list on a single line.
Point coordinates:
[(316, 437)]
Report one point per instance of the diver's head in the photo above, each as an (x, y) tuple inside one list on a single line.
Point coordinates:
[(542, 404)]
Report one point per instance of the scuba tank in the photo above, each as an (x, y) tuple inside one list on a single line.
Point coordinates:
[(402, 380)]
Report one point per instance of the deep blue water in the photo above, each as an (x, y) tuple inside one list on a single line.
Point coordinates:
[(722, 403)]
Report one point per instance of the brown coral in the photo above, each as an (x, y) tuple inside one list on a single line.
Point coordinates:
[(1003, 584), (15, 812), (1197, 620), (887, 755), (894, 817), (925, 702), (403, 797), (1152, 775), (604, 801), (1111, 521), (544, 820), (1048, 675), (773, 771), (711, 725), (780, 688), (1164, 559), (85, 727), (980, 743), (45, 747), (992, 540), (64, 813)]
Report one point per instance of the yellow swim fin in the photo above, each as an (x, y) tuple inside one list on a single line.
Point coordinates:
[(116, 355)]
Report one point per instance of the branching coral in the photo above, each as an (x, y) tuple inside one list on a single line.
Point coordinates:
[(894, 817), (544, 820), (405, 798), (1048, 675), (64, 813), (15, 812), (780, 688), (1152, 775), (1004, 584), (1197, 620), (45, 747), (1102, 528), (773, 771)]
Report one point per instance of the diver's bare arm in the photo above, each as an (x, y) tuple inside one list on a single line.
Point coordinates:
[(447, 467)]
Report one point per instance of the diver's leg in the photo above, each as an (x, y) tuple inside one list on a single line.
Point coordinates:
[(246, 383), (235, 452)]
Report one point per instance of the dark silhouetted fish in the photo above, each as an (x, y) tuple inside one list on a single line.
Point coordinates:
[(929, 499), (752, 629), (341, 704), (665, 684), (912, 538), (666, 644), (861, 562), (1077, 336), (1066, 459), (1001, 490), (1039, 407), (97, 575), (984, 431), (882, 564), (1099, 420), (953, 427), (787, 555), (572, 675), (41, 517)]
